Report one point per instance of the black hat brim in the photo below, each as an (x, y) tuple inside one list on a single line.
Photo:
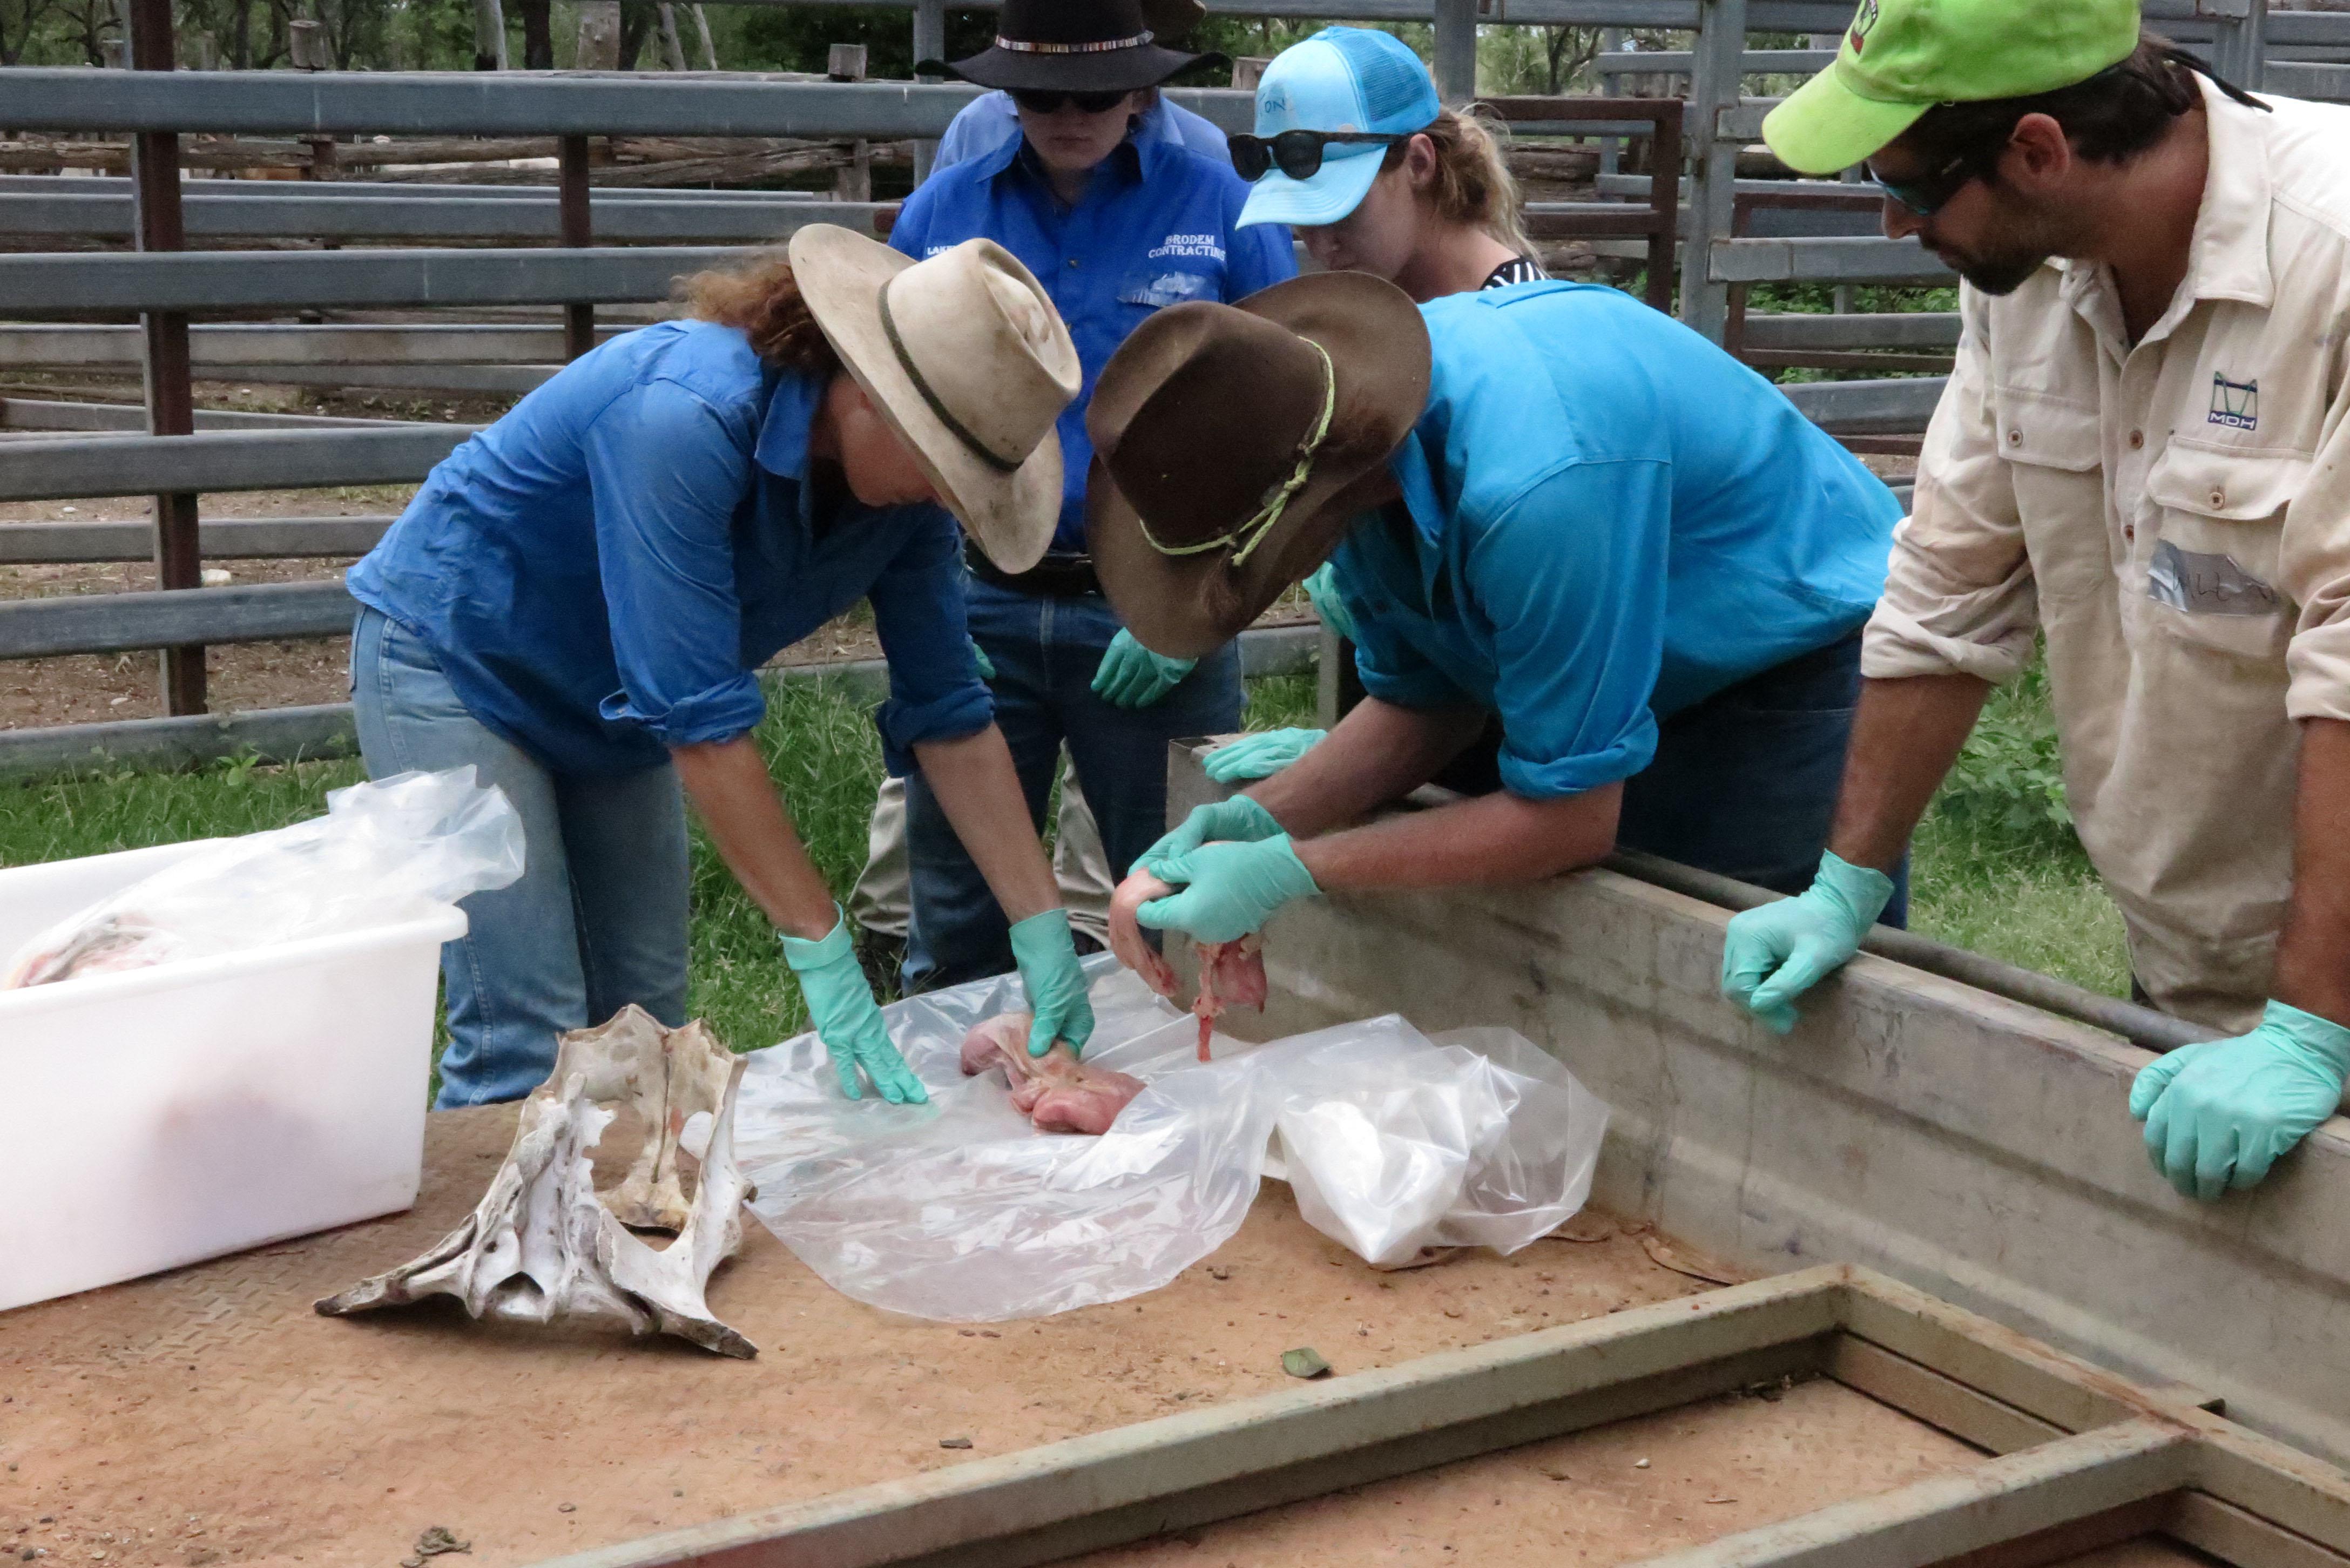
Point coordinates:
[(1111, 70)]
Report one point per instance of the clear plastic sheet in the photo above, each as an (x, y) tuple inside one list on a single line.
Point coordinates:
[(960, 1211), (384, 852)]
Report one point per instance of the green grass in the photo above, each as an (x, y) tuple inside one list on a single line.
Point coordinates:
[(1996, 866)]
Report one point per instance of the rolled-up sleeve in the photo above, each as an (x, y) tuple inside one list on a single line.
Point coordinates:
[(1386, 663), (935, 692), (667, 476), (2315, 568), (1571, 577), (1958, 593)]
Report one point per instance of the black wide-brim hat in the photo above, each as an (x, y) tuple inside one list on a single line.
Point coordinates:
[(1207, 414), (1072, 46)]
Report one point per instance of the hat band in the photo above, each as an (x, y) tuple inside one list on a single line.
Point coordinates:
[(1252, 533), (1032, 47), (979, 448)]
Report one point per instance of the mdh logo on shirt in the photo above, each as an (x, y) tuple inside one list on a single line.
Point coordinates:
[(2235, 404), (1863, 22)]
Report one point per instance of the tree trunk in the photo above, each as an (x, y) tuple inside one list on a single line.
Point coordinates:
[(537, 33)]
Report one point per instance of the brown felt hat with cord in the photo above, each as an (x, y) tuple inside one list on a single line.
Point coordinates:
[(1222, 436)]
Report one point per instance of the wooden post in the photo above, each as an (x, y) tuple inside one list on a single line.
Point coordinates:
[(708, 45), (578, 320), (673, 46), (170, 402), (846, 63), (307, 47), (600, 35), (489, 35)]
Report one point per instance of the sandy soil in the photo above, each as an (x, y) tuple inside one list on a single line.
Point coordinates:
[(208, 1415)]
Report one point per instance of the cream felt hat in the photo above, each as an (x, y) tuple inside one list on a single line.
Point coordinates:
[(965, 357)]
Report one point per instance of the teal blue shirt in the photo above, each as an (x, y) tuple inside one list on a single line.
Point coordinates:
[(1606, 519)]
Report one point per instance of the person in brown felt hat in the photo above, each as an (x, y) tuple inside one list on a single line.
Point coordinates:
[(1116, 228), (1546, 505)]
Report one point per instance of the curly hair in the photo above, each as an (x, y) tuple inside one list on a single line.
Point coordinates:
[(1474, 185), (762, 300)]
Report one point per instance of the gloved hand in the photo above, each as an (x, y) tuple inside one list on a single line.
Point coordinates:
[(848, 1019), (1776, 953), (1239, 818), (1047, 957), (2218, 1114), (986, 665), (1260, 755), (1224, 891), (1322, 587), (1131, 676)]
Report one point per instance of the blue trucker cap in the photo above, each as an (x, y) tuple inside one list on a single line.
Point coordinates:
[(1341, 79)]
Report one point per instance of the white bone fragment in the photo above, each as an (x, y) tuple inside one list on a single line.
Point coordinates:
[(542, 1245)]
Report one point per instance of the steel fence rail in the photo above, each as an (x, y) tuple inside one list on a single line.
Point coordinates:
[(129, 419), (229, 346), (425, 214), (220, 539), (1860, 407), (173, 618), (69, 470), (1833, 258), (51, 283)]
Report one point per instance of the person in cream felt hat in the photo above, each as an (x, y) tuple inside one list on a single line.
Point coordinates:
[(579, 599)]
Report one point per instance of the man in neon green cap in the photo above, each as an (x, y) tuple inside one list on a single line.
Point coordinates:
[(2143, 457)]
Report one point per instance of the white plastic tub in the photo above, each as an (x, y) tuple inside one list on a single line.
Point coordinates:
[(154, 1118)]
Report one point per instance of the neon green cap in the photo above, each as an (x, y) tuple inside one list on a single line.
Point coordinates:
[(1901, 58)]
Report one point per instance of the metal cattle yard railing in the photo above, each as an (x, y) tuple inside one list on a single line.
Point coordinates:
[(1702, 233)]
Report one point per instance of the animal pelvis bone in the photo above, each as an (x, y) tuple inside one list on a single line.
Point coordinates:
[(542, 1245)]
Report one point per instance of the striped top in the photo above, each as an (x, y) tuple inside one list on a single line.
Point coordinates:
[(1517, 269)]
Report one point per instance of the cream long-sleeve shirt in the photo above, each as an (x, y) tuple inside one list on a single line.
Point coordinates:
[(2175, 517)]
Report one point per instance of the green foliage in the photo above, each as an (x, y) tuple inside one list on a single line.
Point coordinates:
[(796, 38), (2010, 777)]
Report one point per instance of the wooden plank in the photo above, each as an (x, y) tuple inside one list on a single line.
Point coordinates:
[(119, 623), (220, 539), (66, 469)]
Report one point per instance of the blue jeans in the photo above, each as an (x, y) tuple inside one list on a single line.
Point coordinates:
[(1744, 783), (1045, 649), (597, 918)]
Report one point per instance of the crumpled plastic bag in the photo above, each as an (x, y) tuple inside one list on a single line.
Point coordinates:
[(385, 851), (960, 1211)]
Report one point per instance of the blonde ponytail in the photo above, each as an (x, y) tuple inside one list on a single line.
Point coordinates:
[(1474, 185)]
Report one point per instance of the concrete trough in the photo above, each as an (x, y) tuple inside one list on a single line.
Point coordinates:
[(1975, 1147)]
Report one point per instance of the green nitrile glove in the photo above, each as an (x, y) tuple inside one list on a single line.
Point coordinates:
[(1260, 755), (979, 654), (2218, 1114), (848, 1019), (1238, 819), (1131, 676), (1227, 890), (1048, 958), (1322, 587), (1773, 954)]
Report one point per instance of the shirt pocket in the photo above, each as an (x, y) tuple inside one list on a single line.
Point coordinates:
[(2056, 465), (2211, 570), (1156, 284)]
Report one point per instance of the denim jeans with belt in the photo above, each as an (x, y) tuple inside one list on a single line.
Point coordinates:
[(1743, 783), (597, 918), (1045, 649)]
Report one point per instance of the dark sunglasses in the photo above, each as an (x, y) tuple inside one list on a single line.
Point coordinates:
[(1036, 101), (1297, 153), (1930, 192)]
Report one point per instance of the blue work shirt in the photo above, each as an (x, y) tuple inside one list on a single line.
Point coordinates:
[(1606, 519), (601, 573), (988, 121), (1154, 227)]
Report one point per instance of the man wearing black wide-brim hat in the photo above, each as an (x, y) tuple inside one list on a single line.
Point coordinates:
[(1116, 227)]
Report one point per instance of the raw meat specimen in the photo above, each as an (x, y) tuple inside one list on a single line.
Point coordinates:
[(1232, 974), (117, 941), (1055, 1091)]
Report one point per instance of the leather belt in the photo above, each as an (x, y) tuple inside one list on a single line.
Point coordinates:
[(1061, 575)]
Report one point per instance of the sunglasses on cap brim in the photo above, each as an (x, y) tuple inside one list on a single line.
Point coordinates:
[(1297, 153), (1040, 100)]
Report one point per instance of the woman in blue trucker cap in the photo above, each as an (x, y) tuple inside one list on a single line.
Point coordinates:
[(1353, 151)]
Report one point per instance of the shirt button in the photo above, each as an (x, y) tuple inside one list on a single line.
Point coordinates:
[(2129, 532), (2137, 439), (2015, 438), (1072, 261), (2218, 496)]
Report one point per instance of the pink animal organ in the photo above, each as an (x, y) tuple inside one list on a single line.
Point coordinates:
[(1232, 974), (1055, 1091)]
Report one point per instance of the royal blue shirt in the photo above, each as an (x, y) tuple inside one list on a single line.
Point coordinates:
[(1155, 227), (601, 573), (1606, 519), (988, 121)]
